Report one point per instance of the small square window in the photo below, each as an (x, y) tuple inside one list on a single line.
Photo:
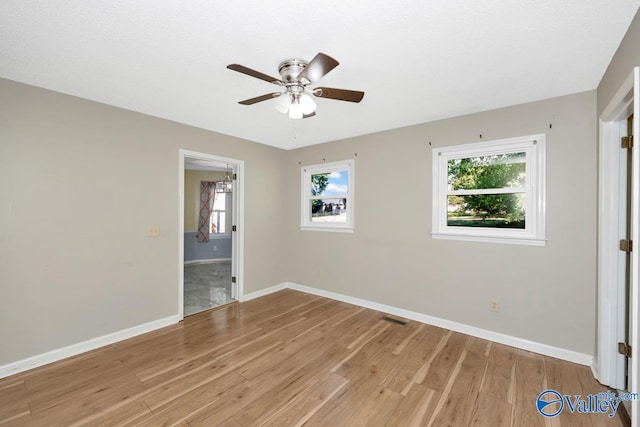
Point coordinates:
[(327, 195), (490, 191)]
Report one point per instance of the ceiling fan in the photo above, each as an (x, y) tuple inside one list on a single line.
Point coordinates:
[(295, 76)]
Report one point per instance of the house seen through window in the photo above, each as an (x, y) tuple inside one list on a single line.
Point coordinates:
[(327, 192), (328, 197)]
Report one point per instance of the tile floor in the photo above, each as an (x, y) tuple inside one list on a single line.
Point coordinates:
[(206, 286)]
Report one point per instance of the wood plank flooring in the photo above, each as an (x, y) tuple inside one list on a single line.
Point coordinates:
[(294, 359)]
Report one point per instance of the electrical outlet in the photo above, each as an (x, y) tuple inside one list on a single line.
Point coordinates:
[(494, 305), (215, 248), (154, 231)]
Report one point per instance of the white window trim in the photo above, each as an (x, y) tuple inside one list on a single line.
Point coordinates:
[(535, 206), (305, 216)]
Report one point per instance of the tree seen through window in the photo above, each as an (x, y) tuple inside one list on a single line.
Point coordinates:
[(500, 182)]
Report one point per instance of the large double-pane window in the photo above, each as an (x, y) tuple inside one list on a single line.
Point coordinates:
[(490, 191)]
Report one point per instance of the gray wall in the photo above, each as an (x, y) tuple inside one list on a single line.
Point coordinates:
[(547, 294), (215, 248), (625, 59), (80, 184)]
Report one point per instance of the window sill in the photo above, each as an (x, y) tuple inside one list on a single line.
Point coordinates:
[(492, 239), (327, 229)]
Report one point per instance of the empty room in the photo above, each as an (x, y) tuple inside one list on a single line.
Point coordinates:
[(322, 214)]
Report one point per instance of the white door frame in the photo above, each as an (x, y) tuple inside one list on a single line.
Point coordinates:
[(237, 256), (609, 365), (634, 315)]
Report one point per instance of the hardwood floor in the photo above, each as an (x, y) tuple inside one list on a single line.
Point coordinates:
[(293, 359)]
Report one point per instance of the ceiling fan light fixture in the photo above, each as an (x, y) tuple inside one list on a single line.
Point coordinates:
[(307, 104), (295, 111), (283, 102)]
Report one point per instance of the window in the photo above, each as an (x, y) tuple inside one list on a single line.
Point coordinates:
[(327, 197), (490, 191), (218, 221)]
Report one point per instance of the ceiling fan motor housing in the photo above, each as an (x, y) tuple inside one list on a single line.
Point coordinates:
[(290, 70)]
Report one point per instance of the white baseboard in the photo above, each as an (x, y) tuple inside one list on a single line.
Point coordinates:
[(263, 292), (206, 261), (544, 349), (91, 344)]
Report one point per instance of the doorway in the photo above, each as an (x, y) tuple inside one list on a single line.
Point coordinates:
[(210, 243)]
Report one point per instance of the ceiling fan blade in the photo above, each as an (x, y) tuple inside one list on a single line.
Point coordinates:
[(253, 73), (320, 65), (306, 116), (260, 98), (339, 94)]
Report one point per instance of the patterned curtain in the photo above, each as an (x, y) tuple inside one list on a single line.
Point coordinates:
[(207, 197)]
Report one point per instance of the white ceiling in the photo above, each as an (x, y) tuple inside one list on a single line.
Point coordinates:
[(417, 60)]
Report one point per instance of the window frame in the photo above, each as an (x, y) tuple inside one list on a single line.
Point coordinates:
[(305, 211), (534, 190)]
